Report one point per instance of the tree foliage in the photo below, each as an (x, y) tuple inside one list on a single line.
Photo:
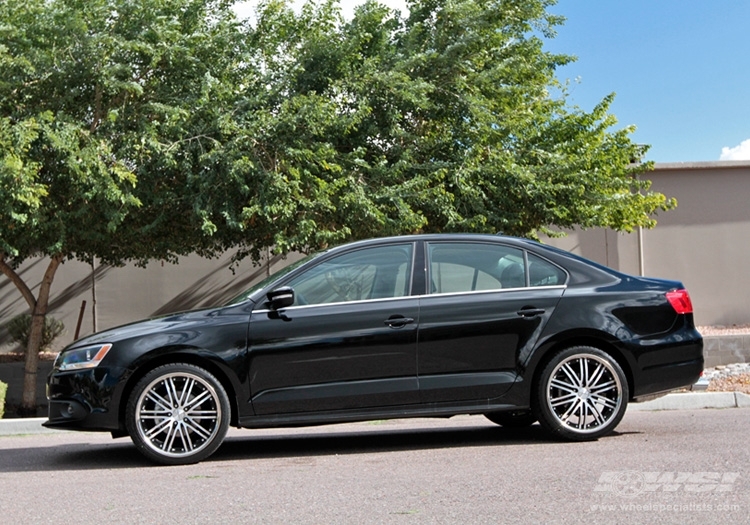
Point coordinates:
[(133, 130), (19, 329), (450, 119), (105, 106), (3, 390)]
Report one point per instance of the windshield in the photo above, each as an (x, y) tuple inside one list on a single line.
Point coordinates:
[(244, 296)]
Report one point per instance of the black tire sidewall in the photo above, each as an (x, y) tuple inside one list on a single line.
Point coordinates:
[(131, 414)]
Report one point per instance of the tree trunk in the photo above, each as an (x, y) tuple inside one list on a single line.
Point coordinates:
[(39, 311), (28, 401)]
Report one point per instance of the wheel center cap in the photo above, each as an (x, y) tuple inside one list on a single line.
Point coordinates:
[(583, 393), (178, 414)]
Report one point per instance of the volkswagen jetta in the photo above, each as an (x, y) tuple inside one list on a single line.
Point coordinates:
[(414, 326)]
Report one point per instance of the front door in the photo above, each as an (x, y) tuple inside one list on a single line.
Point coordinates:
[(348, 341)]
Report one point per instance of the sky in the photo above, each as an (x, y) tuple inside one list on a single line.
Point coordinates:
[(680, 70)]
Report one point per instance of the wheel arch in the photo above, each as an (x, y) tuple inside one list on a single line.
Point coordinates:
[(593, 340), (190, 356)]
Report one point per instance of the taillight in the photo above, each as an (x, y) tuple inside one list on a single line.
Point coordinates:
[(680, 301)]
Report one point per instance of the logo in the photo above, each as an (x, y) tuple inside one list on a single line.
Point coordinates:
[(632, 483)]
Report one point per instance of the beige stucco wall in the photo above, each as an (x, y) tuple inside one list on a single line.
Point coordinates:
[(704, 242), (130, 293)]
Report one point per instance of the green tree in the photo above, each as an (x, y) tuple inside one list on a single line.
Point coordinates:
[(448, 119), (109, 113)]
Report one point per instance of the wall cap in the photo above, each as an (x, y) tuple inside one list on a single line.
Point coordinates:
[(714, 164)]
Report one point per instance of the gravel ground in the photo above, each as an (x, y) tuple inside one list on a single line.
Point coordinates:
[(735, 329), (729, 378), (740, 383)]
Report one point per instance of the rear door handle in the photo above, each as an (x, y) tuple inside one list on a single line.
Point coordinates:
[(398, 321), (530, 312)]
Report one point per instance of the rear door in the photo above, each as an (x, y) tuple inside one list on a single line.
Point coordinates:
[(486, 307)]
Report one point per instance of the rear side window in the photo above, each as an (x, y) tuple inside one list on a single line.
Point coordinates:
[(471, 267)]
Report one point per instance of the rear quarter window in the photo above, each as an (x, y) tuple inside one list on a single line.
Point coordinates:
[(544, 273)]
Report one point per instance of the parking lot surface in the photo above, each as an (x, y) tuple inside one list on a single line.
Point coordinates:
[(659, 467)]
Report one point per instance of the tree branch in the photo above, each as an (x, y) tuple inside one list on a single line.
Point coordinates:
[(16, 279)]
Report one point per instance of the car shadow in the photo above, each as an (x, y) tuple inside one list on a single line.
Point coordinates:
[(116, 454), (324, 441), (375, 440)]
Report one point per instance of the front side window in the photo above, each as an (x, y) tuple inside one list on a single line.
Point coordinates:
[(471, 267), (380, 272)]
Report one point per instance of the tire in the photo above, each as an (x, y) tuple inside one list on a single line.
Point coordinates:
[(177, 414), (512, 419), (581, 395)]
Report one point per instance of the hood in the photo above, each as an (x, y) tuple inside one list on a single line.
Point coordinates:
[(162, 324)]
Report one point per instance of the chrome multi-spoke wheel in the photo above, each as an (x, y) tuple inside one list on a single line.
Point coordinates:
[(177, 414), (582, 394)]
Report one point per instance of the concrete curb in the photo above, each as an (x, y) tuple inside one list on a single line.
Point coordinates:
[(20, 426), (681, 401), (694, 401)]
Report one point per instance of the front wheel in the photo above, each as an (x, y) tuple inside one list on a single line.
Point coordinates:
[(581, 395), (178, 414)]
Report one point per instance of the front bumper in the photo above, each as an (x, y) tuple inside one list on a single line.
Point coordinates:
[(85, 399)]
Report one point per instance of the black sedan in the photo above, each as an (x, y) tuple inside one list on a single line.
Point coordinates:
[(416, 326)]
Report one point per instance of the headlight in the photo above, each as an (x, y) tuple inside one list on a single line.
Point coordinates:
[(86, 357)]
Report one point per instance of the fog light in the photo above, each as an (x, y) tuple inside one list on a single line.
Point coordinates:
[(69, 409)]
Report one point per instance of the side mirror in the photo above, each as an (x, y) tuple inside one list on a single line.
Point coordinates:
[(281, 297)]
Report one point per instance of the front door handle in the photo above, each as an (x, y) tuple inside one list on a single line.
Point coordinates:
[(530, 312), (398, 321)]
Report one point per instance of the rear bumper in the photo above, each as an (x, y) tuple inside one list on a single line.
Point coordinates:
[(668, 362), (665, 378)]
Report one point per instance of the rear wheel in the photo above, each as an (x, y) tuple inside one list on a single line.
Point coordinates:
[(582, 394), (178, 414)]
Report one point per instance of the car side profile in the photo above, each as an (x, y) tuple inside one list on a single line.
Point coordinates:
[(413, 326)]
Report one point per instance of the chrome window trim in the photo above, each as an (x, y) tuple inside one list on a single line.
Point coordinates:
[(340, 303), (412, 297), (499, 290)]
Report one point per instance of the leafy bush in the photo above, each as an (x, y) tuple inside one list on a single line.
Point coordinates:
[(3, 390), (20, 326)]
